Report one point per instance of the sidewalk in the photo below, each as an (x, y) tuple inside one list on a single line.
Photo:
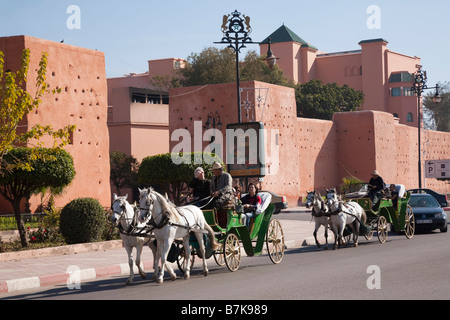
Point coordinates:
[(53, 266)]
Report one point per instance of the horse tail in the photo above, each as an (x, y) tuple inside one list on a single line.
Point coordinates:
[(363, 216), (212, 238)]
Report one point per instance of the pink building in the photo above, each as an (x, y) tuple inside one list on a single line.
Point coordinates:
[(381, 74), (80, 73)]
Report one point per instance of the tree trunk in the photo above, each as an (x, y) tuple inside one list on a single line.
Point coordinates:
[(20, 224)]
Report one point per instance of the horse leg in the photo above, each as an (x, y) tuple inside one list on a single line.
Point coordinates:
[(139, 248), (201, 245), (316, 227), (187, 259), (129, 250), (168, 244), (152, 247), (326, 235)]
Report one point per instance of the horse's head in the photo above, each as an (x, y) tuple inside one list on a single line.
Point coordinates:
[(331, 197), (118, 207), (310, 199), (146, 203)]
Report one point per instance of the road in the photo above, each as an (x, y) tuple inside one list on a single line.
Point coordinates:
[(399, 269)]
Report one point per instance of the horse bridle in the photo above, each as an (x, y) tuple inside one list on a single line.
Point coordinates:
[(164, 221), (134, 220)]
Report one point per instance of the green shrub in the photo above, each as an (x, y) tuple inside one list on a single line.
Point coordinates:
[(82, 220)]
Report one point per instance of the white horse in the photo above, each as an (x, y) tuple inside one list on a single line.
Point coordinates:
[(320, 214), (126, 219), (171, 223), (342, 214)]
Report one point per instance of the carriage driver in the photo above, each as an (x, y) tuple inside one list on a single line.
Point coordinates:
[(221, 187), (376, 186)]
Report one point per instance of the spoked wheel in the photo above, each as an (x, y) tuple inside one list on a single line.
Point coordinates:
[(275, 241), (219, 256), (382, 229), (181, 259), (410, 222), (232, 252), (369, 235)]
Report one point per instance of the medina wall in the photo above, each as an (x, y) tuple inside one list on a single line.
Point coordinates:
[(313, 154), (80, 74)]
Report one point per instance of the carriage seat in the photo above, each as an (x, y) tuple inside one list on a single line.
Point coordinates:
[(266, 198)]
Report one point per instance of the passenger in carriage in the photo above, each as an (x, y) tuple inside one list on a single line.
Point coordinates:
[(394, 192), (251, 203), (199, 188), (376, 187)]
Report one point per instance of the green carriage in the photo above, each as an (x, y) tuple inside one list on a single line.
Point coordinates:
[(230, 235), (401, 217)]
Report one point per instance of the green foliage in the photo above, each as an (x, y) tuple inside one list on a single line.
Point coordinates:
[(161, 172), (213, 66), (82, 220), (48, 168), (350, 184), (124, 170), (16, 102), (319, 101), (437, 115)]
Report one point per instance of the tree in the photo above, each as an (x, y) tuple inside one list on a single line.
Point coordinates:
[(50, 168), (124, 170), (213, 66), (437, 115), (162, 173), (16, 102), (319, 101)]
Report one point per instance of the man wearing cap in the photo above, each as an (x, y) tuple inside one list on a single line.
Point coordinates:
[(376, 186), (221, 186)]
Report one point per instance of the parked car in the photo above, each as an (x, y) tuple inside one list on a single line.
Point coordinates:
[(441, 198), (428, 213)]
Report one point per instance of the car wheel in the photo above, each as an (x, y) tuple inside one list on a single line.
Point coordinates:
[(444, 229)]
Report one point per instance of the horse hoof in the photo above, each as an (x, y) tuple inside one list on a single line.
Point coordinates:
[(205, 273), (187, 276), (356, 245), (143, 276), (129, 282), (160, 281)]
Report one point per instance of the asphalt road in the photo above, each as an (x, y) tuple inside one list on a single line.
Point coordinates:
[(399, 269)]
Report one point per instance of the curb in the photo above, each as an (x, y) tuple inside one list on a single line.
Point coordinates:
[(75, 276)]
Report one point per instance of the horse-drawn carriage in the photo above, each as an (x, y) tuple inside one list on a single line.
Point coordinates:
[(400, 216), (262, 230), (199, 230)]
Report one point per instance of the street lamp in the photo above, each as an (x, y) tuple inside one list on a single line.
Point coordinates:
[(419, 85), (236, 29)]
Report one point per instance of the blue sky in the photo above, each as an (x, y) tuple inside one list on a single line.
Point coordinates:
[(134, 31)]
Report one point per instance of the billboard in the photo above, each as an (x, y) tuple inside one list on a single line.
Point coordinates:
[(245, 149)]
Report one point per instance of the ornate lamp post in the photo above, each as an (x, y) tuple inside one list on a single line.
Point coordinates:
[(236, 29), (419, 85)]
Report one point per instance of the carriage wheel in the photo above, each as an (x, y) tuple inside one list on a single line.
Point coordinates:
[(219, 256), (181, 259), (275, 241), (382, 229), (232, 252), (369, 236), (410, 222)]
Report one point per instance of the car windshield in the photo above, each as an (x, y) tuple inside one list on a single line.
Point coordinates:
[(423, 201)]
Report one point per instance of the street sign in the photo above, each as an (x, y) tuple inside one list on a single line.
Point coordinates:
[(437, 169)]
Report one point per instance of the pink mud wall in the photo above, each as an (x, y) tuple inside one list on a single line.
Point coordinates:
[(315, 154), (80, 73)]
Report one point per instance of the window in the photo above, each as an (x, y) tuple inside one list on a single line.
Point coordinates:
[(138, 97), (400, 77), (396, 92), (409, 117)]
